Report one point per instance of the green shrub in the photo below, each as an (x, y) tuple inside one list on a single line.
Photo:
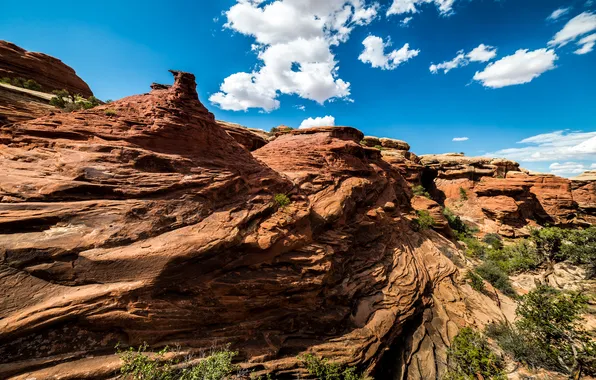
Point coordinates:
[(110, 112), (463, 195), (497, 277), (474, 248), (456, 224), (57, 101), (476, 282), (323, 369), (420, 191), (5, 80), (494, 240), (32, 85), (282, 200), (19, 82), (518, 257), (470, 358), (549, 332), (139, 365), (424, 221)]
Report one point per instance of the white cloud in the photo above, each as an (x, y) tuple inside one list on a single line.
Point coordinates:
[(555, 146), (406, 21), (457, 139), (481, 53), (593, 166), (293, 41), (587, 44), (567, 168), (374, 53), (325, 121), (301, 107), (558, 13), (519, 68), (579, 25), (459, 61), (411, 6)]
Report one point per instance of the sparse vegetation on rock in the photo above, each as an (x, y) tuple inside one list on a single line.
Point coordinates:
[(324, 369), (420, 191), (470, 357), (424, 220), (29, 84), (282, 200)]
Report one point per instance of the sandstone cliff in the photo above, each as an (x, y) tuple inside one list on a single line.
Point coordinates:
[(144, 221), (49, 72)]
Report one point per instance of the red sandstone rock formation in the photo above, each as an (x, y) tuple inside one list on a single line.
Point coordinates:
[(149, 223), (49, 72), (501, 198), (251, 139), (18, 105)]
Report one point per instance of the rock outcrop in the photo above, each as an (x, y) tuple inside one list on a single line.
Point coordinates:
[(144, 221), (49, 72), (251, 139), (498, 196), (17, 104)]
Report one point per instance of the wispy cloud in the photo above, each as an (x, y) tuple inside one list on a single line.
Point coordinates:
[(457, 139), (555, 146), (558, 14)]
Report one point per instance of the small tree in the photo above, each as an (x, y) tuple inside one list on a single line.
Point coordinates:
[(463, 195), (424, 221), (420, 191)]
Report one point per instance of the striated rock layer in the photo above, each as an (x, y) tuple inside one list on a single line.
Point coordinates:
[(144, 221), (49, 72), (500, 197)]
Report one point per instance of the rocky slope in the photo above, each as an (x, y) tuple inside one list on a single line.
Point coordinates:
[(17, 104), (49, 72), (144, 221)]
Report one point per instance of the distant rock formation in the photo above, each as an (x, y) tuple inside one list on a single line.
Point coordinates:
[(49, 72)]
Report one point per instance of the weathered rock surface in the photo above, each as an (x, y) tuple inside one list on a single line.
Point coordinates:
[(49, 72), (251, 139), (497, 196), (155, 225), (19, 105)]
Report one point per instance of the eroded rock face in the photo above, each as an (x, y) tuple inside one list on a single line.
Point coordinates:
[(49, 72), (144, 221), (499, 197), (17, 105), (251, 139)]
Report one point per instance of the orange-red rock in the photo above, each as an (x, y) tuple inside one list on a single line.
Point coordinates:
[(49, 72)]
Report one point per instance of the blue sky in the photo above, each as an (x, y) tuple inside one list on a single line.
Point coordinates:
[(518, 85)]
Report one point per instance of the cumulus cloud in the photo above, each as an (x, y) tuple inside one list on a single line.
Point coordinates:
[(482, 53), (558, 13), (406, 21), (581, 24), (554, 146), (586, 44), (457, 139), (374, 53), (519, 68), (293, 42), (567, 168), (398, 7), (325, 121)]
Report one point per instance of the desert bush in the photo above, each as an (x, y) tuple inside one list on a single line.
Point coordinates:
[(277, 129), (456, 224), (497, 277), (549, 332), (463, 195), (476, 282), (494, 240), (474, 247), (5, 80), (282, 200), (424, 220), (518, 257), (323, 369), (110, 112), (30, 84), (470, 358), (139, 365), (57, 101), (421, 191)]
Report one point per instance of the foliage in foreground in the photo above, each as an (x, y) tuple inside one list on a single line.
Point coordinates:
[(549, 333), (323, 369), (282, 200), (470, 358), (139, 365), (420, 191), (456, 224), (424, 221)]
